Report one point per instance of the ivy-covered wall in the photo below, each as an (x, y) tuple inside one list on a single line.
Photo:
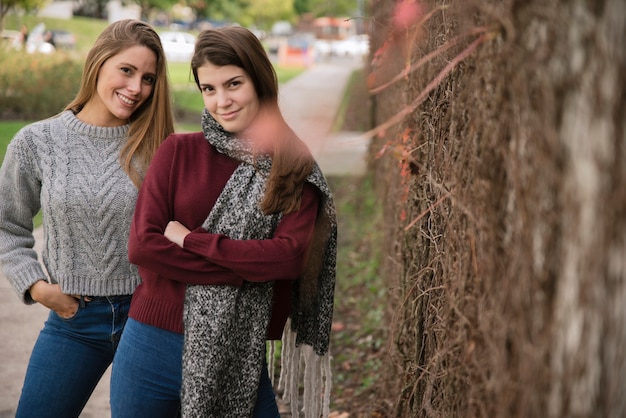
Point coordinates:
[(499, 156)]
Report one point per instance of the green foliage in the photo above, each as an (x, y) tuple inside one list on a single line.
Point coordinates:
[(185, 95), (7, 6), (266, 12), (301, 6), (188, 105), (337, 8), (359, 213), (149, 6), (285, 74), (357, 97), (360, 291), (7, 130), (180, 75), (259, 13), (35, 86), (220, 10)]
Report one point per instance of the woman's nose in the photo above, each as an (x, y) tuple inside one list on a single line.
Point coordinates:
[(134, 84), (223, 99)]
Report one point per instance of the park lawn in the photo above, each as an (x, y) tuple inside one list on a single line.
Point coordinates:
[(7, 130)]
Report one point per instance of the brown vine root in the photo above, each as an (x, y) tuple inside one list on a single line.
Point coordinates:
[(415, 66), (407, 110)]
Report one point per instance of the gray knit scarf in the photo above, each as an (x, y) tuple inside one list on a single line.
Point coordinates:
[(225, 327)]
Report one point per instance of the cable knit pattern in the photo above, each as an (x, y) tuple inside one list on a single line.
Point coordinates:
[(71, 171), (225, 327)]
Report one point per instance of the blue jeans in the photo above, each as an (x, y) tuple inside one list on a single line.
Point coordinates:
[(146, 378), (69, 358)]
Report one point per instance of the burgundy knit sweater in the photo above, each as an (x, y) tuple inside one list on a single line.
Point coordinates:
[(183, 182)]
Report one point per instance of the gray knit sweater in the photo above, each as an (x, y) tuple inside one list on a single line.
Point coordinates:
[(72, 172)]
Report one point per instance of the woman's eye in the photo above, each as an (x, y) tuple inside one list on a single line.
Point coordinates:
[(149, 79)]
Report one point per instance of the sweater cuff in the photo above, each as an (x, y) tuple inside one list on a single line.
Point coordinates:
[(24, 279), (193, 242)]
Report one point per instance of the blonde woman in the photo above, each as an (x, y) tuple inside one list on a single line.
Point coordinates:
[(82, 169)]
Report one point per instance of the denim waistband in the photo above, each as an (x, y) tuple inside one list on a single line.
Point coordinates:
[(83, 300), (111, 299)]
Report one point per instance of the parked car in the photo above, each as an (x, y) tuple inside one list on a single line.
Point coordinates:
[(178, 46), (63, 39), (282, 28), (322, 48), (355, 46)]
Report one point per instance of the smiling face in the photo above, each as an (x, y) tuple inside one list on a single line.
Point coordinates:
[(229, 96), (125, 82)]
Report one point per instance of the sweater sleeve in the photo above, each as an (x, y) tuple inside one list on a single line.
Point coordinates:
[(149, 248), (280, 258), (20, 190)]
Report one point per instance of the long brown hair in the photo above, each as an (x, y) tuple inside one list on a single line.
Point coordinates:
[(292, 161), (153, 121)]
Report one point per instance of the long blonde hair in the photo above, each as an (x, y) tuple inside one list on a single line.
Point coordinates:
[(153, 121)]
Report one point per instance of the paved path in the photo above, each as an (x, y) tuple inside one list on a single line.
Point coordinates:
[(310, 103)]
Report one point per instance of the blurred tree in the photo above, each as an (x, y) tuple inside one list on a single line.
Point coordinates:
[(301, 6), (266, 12), (91, 8), (199, 7), (148, 6), (259, 13), (334, 8), (219, 10), (7, 5)]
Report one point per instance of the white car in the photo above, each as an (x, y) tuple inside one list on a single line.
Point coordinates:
[(355, 46), (322, 48), (178, 46)]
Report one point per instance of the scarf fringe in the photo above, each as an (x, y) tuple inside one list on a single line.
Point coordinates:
[(316, 377)]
